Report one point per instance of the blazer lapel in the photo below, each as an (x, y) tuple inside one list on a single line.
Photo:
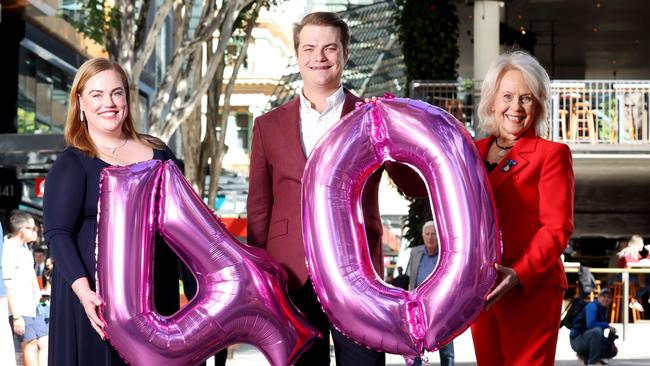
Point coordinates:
[(417, 259), (294, 138), (350, 102), (483, 146), (514, 161)]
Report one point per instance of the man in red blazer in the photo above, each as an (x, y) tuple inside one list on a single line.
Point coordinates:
[(282, 141)]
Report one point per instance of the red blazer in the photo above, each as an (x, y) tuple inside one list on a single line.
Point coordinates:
[(533, 190), (274, 194)]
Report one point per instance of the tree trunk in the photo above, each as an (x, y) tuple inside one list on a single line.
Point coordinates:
[(181, 109), (212, 143), (191, 134), (217, 162), (131, 45)]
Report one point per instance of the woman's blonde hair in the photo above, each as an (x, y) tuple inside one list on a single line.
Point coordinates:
[(633, 249), (537, 80), (76, 131)]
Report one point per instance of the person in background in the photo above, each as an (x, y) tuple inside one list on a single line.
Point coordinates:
[(99, 133), (47, 275), (533, 187), (402, 279), (46, 292), (587, 334), (7, 355), (632, 252), (629, 256), (422, 262), (615, 262), (39, 261), (23, 291)]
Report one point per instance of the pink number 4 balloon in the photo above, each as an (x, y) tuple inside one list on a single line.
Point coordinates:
[(356, 300), (241, 294)]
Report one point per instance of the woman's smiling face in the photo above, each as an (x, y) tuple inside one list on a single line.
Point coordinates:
[(104, 103), (514, 105)]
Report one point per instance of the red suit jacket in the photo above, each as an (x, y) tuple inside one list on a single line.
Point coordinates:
[(533, 190), (274, 194)]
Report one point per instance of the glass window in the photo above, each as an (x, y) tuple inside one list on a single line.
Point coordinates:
[(71, 10), (43, 97), (144, 110), (243, 120), (26, 114), (43, 91), (59, 100)]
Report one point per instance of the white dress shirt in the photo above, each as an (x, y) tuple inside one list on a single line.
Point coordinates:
[(18, 272), (313, 124)]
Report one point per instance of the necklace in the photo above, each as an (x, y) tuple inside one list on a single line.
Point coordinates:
[(115, 148), (504, 149)]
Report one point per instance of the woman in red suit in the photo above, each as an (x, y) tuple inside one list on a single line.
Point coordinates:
[(533, 186)]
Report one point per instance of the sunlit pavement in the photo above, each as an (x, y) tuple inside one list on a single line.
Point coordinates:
[(634, 351)]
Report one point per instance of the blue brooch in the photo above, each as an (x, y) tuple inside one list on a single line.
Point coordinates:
[(509, 164)]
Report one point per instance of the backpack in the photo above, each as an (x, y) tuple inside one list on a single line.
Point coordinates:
[(571, 315), (586, 280)]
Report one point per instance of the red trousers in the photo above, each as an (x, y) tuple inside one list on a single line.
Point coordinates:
[(520, 329)]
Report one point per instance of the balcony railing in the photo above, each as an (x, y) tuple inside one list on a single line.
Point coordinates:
[(582, 111)]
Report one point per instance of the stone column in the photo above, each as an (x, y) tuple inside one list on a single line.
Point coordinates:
[(486, 35)]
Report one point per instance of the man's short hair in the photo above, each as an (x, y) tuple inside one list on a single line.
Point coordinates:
[(605, 292), (428, 224), (325, 19), (18, 220)]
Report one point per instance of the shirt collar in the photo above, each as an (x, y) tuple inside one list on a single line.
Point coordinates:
[(337, 98), (430, 255)]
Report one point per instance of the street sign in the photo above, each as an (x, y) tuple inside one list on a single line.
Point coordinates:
[(39, 187), (10, 189)]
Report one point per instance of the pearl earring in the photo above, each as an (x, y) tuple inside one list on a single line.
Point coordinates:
[(82, 116)]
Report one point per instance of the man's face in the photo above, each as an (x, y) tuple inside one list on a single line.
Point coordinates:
[(321, 57), (29, 232), (605, 299), (430, 238), (39, 257)]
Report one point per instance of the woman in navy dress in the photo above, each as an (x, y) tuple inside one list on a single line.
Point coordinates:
[(99, 132)]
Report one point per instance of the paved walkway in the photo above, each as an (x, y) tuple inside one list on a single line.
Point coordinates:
[(634, 351)]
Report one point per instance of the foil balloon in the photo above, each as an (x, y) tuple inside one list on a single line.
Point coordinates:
[(241, 294), (355, 298)]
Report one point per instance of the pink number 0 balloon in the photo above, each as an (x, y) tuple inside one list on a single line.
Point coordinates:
[(356, 300), (241, 293)]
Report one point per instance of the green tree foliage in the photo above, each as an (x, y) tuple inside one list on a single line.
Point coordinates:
[(428, 31), (94, 19), (419, 213)]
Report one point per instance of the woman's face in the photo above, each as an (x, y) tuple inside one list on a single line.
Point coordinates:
[(104, 103), (49, 263), (514, 106)]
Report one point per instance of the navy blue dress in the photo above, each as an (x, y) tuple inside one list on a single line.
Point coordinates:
[(70, 218)]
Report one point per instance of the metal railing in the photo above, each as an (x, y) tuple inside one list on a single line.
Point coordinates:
[(582, 111), (625, 275), (460, 98)]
